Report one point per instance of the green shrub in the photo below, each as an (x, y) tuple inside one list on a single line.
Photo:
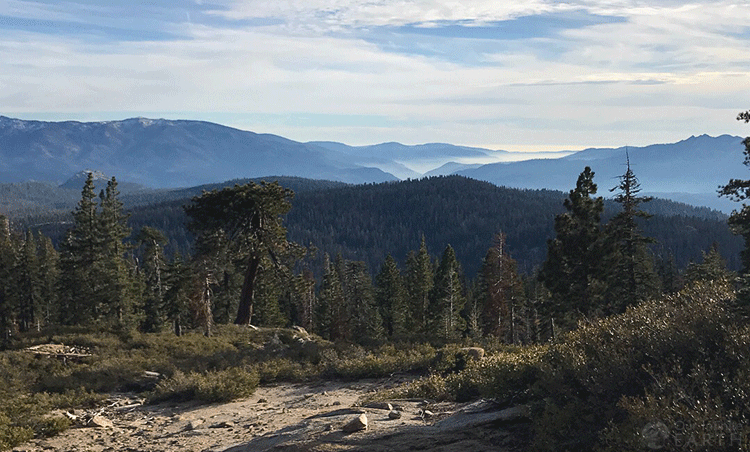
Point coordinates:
[(220, 386), (674, 361), (431, 387), (283, 369), (11, 435), (506, 376), (52, 426), (356, 362)]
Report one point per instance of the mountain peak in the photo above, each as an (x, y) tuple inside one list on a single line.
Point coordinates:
[(79, 178)]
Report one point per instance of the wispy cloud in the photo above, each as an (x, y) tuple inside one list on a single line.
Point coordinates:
[(512, 73)]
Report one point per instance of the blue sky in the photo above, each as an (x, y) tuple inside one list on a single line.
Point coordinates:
[(524, 75)]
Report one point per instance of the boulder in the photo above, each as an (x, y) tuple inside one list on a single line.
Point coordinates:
[(356, 424), (394, 414), (100, 421)]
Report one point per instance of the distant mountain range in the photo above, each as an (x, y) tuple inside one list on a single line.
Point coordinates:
[(163, 153), (688, 171), (160, 153)]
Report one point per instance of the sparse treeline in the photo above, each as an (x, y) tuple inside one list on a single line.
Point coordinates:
[(243, 269)]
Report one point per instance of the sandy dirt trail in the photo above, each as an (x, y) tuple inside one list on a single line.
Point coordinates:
[(288, 417)]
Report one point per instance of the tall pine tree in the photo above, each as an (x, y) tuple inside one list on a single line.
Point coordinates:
[(574, 271), (447, 300), (390, 297), (49, 269), (332, 316), (118, 295), (504, 292), (27, 294), (419, 280), (739, 190), (153, 267), (7, 261), (631, 277), (80, 262), (250, 217)]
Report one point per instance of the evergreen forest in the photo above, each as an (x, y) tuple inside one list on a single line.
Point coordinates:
[(597, 310)]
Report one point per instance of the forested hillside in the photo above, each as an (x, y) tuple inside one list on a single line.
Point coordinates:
[(367, 222), (44, 200), (434, 261)]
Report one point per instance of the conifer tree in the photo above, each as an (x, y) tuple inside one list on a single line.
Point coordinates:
[(574, 271), (267, 310), (7, 261), (80, 262), (447, 300), (739, 190), (419, 278), (154, 263), (712, 268), (49, 271), (631, 277), (214, 262), (306, 300), (250, 217), (504, 292), (476, 298), (178, 283), (332, 316), (27, 284), (118, 294), (390, 297), (669, 276), (366, 321)]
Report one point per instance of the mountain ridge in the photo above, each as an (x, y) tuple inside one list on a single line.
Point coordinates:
[(167, 153)]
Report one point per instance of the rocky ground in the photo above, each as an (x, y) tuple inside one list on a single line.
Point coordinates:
[(293, 417)]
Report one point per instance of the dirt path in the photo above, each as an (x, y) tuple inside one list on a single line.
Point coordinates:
[(285, 418)]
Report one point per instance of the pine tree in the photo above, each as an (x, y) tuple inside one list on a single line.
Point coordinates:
[(366, 321), (476, 298), (80, 262), (574, 271), (712, 268), (306, 300), (332, 318), (267, 310), (669, 275), (390, 297), (250, 217), (178, 282), (49, 270), (213, 260), (27, 284), (739, 190), (504, 294), (154, 263), (7, 261), (447, 300), (419, 280), (118, 294), (631, 277)]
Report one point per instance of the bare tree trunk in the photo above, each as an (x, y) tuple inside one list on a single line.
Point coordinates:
[(207, 300), (177, 327), (245, 309)]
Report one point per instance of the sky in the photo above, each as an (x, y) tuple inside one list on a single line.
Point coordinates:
[(533, 75)]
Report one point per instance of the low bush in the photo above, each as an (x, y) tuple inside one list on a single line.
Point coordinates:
[(12, 435), (671, 373), (355, 362), (211, 387)]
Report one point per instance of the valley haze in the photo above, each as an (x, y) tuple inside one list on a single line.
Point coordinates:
[(162, 153)]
